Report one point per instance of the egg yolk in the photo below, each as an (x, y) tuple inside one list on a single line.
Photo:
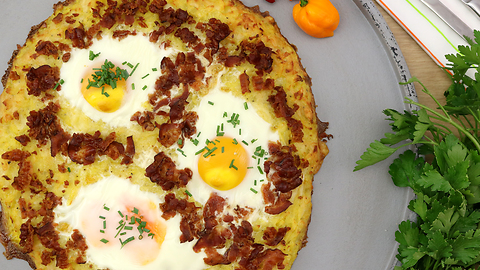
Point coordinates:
[(105, 98), (224, 165)]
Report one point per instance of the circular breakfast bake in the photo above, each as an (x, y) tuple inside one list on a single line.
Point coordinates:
[(157, 135)]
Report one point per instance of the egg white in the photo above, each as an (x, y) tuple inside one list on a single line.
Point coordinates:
[(132, 49), (116, 193), (252, 129)]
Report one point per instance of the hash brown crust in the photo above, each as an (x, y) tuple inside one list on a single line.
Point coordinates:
[(281, 93)]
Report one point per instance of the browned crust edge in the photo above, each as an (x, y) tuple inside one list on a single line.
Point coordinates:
[(11, 250), (32, 32)]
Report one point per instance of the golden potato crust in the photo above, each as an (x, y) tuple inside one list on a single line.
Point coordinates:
[(45, 140)]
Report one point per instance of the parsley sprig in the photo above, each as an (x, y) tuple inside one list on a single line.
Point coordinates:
[(446, 233)]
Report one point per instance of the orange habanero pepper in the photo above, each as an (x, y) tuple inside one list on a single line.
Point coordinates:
[(318, 18)]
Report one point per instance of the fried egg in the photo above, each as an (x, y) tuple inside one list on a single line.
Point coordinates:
[(227, 154), (124, 228), (111, 80)]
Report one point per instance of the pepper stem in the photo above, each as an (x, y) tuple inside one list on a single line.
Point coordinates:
[(303, 3)]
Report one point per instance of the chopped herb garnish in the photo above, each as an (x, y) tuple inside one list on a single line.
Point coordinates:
[(145, 76), (120, 213), (200, 151), (232, 166), (105, 93), (180, 141), (245, 105), (194, 141), (123, 243), (102, 217), (234, 120), (133, 86), (210, 151), (182, 152), (225, 114), (260, 169), (106, 208), (223, 149), (135, 68), (211, 103), (103, 240), (58, 83), (254, 140), (144, 87), (235, 141), (135, 210), (93, 55), (154, 69), (253, 190), (244, 142), (186, 192), (68, 169), (106, 76), (81, 81)]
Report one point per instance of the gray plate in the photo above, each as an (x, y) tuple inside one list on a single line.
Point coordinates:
[(355, 76)]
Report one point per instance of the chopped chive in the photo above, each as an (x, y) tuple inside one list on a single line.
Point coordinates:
[(104, 224), (225, 114), (245, 105), (154, 69), (135, 210), (131, 238), (130, 66), (106, 208), (123, 233), (200, 151), (235, 141), (260, 170), (180, 141), (244, 142), (254, 182), (223, 149), (217, 140), (93, 55), (181, 151), (194, 141), (232, 166), (135, 68), (210, 151), (132, 220), (234, 120), (120, 213), (253, 190), (128, 228), (133, 86), (124, 63), (103, 240), (151, 234), (145, 76), (240, 131), (68, 169), (144, 87), (211, 103), (102, 231), (198, 135), (254, 140), (249, 167), (102, 217), (188, 193), (81, 81), (261, 180)]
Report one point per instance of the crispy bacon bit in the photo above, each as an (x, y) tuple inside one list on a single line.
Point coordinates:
[(258, 55), (169, 133), (66, 57), (77, 35), (186, 36), (46, 48), (23, 139), (273, 237), (154, 35), (233, 60), (164, 173), (145, 120), (14, 76), (82, 148), (282, 169), (58, 19), (276, 202), (177, 106), (70, 20), (15, 155), (121, 34), (42, 79), (169, 77), (129, 151), (115, 150), (281, 108), (26, 236), (216, 32)]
